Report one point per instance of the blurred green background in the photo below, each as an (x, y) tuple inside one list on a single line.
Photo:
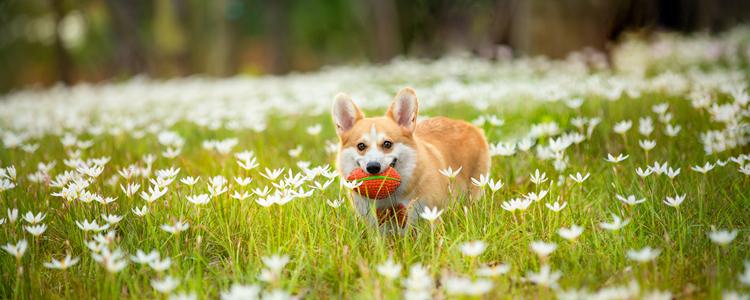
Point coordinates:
[(45, 42)]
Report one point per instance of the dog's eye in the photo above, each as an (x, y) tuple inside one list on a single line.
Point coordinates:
[(387, 145), (361, 146)]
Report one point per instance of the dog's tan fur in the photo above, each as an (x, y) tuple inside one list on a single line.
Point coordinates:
[(438, 143)]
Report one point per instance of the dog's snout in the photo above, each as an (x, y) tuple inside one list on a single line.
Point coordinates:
[(373, 167)]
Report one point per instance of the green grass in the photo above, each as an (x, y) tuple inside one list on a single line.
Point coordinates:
[(334, 254)]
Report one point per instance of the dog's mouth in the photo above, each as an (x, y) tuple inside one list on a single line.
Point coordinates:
[(393, 163)]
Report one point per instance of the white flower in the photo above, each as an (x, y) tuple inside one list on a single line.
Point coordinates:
[(276, 263), (630, 200), (296, 151), (473, 248), (450, 173), (141, 257), (483, 180), (243, 181), (183, 296), (93, 226), (165, 286), (248, 164), (93, 171), (570, 234), (36, 230), (495, 186), (112, 219), (623, 126), (641, 173), (12, 215), (431, 214), (538, 179), (493, 271), (545, 277), (516, 204), (617, 159), (201, 199), (168, 173), (178, 227), (160, 265), (556, 207), (272, 175), (722, 237), (535, 197), (704, 169), (732, 295), (239, 196), (646, 144), (351, 184), (266, 202), (645, 126), (31, 218), (543, 249), (525, 144), (241, 292), (745, 277), (323, 186), (335, 203), (660, 108), (644, 255), (659, 169), (67, 262), (616, 224), (277, 294), (578, 177), (314, 130), (673, 173), (676, 201), (171, 153), (672, 131), (131, 189), (6, 184), (189, 180), (389, 269), (261, 193), (140, 211), (18, 249), (657, 295), (155, 194)]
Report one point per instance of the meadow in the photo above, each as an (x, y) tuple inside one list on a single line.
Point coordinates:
[(627, 179)]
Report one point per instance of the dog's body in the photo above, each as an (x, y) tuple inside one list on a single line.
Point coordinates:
[(416, 150)]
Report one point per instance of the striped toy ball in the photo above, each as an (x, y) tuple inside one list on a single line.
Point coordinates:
[(377, 186)]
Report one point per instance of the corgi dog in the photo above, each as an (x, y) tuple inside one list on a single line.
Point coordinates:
[(417, 150)]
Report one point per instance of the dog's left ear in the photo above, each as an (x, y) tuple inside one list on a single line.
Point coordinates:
[(404, 110)]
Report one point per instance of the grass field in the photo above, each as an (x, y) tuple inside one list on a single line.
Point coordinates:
[(70, 155)]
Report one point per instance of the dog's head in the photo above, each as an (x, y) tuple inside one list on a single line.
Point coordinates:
[(374, 144)]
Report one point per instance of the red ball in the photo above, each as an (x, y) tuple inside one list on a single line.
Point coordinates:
[(377, 186)]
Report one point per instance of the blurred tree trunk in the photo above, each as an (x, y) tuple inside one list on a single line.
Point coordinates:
[(63, 59), (509, 26), (223, 58), (131, 55), (276, 33), (169, 39), (198, 49), (387, 35)]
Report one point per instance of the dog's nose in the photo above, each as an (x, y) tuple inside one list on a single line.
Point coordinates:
[(373, 167)]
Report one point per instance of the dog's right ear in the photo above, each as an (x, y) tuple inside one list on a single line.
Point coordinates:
[(345, 114)]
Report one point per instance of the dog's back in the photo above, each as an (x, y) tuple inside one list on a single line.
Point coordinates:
[(461, 144)]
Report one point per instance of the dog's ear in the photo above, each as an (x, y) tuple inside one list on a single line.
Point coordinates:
[(345, 114), (404, 110)]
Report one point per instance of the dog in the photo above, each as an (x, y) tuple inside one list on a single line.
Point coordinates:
[(417, 150)]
